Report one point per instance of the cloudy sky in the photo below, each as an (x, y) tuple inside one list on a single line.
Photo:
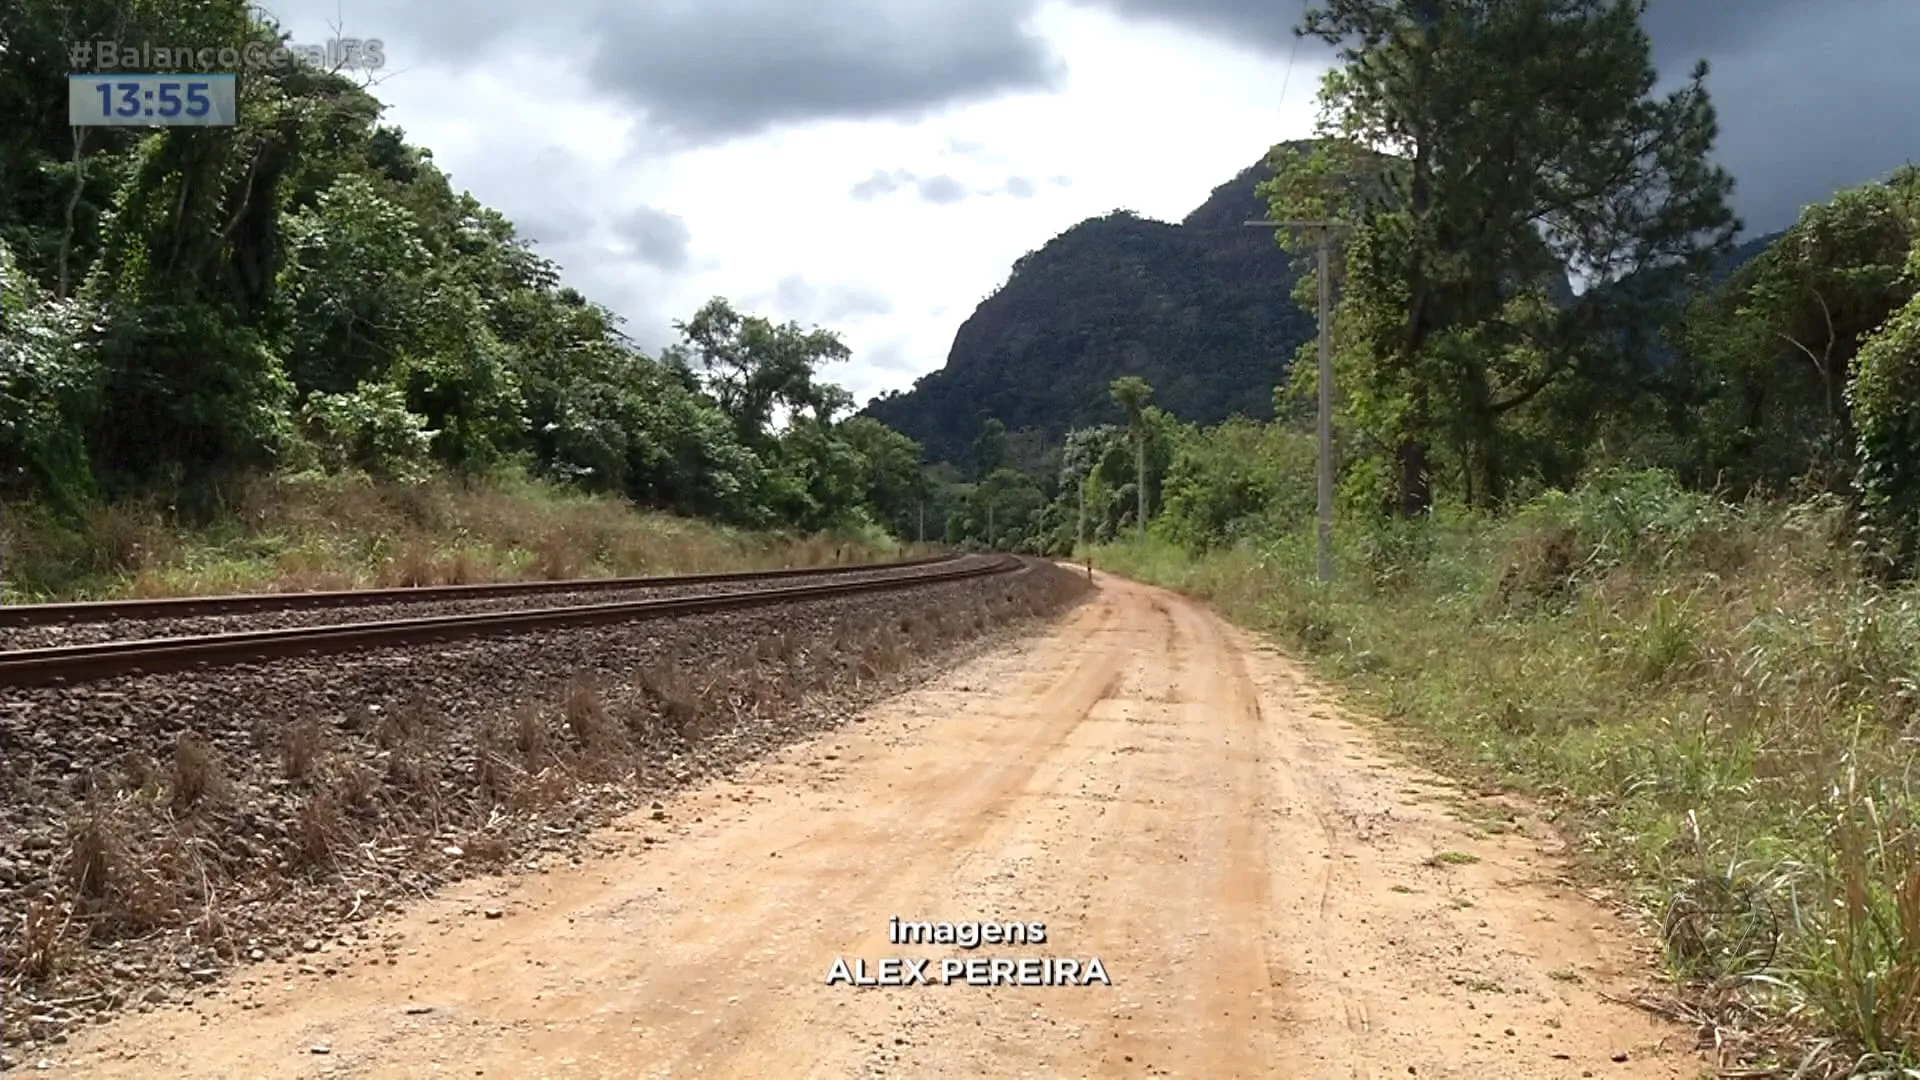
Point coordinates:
[(875, 166)]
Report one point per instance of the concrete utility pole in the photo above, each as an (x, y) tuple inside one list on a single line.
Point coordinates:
[(1080, 526), (1323, 237), (1140, 478)]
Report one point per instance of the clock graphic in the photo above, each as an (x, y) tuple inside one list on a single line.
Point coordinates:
[(143, 100)]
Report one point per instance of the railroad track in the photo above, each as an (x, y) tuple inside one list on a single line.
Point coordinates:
[(72, 664), (253, 603)]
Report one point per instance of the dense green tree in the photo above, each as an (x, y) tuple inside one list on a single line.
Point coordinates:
[(895, 483), (1886, 386), (306, 290), (351, 281), (1226, 482), (1773, 349), (49, 392), (756, 369), (1518, 142), (990, 448)]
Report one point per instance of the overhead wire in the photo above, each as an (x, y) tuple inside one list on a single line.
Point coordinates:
[(1292, 54)]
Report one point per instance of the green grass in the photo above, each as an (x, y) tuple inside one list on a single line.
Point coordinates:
[(278, 533), (1721, 714)]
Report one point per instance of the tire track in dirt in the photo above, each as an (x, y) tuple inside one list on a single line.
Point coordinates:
[(927, 825)]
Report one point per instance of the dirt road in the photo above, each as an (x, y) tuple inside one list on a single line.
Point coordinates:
[(1268, 896)]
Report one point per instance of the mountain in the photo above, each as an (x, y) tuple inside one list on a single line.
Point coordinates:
[(1743, 253), (1201, 310)]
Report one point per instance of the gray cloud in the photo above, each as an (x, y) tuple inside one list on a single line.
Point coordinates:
[(655, 237), (942, 189), (729, 68), (1811, 96), (712, 70), (1020, 187), (1685, 30), (801, 300), (880, 183), (1681, 29), (624, 286), (1260, 24), (552, 225)]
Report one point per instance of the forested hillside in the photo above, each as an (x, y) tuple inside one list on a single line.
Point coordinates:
[(189, 309), (1199, 309)]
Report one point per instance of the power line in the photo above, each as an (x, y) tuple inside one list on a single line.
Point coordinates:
[(1287, 80)]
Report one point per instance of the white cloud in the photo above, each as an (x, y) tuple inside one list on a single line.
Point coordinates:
[(1146, 117)]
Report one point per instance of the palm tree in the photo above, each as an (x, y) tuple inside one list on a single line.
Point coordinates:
[(1132, 393)]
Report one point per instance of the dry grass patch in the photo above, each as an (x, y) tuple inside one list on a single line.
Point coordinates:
[(196, 772), (287, 534), (112, 888), (299, 747), (674, 696), (320, 831)]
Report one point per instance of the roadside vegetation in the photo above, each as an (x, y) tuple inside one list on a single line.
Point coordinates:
[(290, 350), (1715, 703), (300, 533)]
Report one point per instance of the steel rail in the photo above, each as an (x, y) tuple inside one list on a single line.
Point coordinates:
[(248, 603), (70, 664)]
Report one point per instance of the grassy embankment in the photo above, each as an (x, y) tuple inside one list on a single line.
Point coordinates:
[(1720, 710), (337, 533)]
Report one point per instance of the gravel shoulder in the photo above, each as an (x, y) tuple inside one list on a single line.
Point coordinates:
[(1269, 893), (160, 832)]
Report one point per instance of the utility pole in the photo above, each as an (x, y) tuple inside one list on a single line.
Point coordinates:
[(923, 521), (990, 526), (1323, 237), (1140, 478), (1080, 527)]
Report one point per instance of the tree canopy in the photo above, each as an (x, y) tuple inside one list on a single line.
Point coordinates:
[(1483, 153), (306, 290)]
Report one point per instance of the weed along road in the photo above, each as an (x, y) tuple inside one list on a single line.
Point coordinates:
[(1168, 851)]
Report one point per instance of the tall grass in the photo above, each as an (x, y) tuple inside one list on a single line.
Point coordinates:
[(336, 532), (1724, 713)]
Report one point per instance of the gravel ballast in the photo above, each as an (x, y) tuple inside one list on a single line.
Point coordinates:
[(159, 830), (90, 632)]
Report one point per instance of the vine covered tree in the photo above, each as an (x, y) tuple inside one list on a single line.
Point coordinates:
[(1132, 394)]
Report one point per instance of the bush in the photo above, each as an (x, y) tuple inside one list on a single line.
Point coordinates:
[(368, 428)]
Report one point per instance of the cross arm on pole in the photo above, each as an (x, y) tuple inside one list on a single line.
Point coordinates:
[(1295, 223)]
